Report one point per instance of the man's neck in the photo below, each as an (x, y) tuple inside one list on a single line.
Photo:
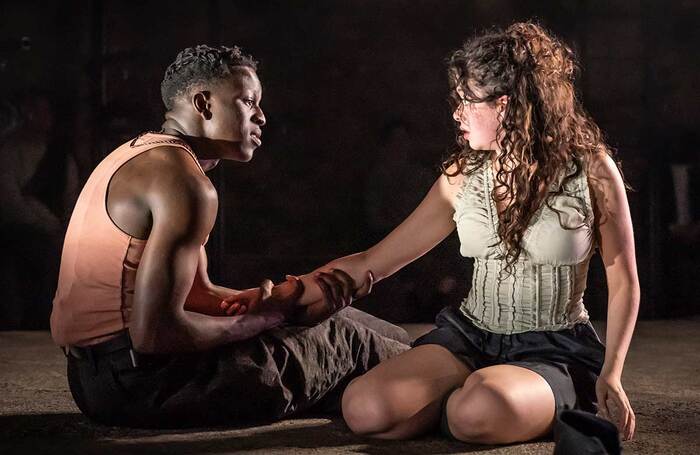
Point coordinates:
[(198, 145)]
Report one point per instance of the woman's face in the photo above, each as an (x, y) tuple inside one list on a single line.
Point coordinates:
[(479, 122)]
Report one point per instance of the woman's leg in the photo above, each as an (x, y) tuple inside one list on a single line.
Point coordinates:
[(501, 404), (401, 397)]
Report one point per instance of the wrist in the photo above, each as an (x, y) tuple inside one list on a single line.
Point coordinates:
[(611, 370), (290, 291)]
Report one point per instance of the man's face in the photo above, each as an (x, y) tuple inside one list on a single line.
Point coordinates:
[(236, 117)]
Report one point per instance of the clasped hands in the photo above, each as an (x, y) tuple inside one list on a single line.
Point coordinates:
[(337, 288)]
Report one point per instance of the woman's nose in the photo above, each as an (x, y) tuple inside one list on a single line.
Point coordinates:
[(457, 113)]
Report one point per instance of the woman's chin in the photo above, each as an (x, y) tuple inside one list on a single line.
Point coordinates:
[(476, 146)]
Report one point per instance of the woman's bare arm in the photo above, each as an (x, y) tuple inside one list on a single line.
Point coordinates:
[(427, 226), (616, 241)]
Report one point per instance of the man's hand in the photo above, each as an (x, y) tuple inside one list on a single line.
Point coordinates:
[(338, 289), (248, 301)]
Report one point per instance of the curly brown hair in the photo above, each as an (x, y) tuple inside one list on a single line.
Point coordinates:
[(544, 129)]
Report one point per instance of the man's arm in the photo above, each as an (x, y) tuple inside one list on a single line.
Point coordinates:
[(183, 205), (205, 297)]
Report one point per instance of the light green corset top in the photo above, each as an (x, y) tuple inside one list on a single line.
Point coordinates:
[(545, 289)]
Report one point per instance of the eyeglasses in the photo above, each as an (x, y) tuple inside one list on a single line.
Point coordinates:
[(465, 103)]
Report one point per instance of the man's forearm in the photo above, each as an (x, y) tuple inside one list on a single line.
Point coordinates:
[(207, 299), (190, 331)]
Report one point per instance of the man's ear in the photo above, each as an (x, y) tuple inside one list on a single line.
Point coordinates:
[(201, 104)]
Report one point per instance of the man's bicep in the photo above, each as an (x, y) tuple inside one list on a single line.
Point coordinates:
[(164, 277), (181, 222)]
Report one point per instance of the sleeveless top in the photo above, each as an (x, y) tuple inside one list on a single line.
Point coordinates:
[(99, 261), (544, 289)]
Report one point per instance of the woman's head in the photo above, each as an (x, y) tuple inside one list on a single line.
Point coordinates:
[(512, 93), (522, 77)]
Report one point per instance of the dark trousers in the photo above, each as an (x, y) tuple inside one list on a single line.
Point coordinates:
[(272, 376)]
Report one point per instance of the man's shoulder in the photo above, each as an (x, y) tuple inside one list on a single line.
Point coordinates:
[(169, 176), (172, 165)]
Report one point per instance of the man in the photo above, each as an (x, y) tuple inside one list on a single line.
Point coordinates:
[(147, 341)]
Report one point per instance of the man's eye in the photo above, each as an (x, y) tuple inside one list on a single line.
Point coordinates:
[(249, 102)]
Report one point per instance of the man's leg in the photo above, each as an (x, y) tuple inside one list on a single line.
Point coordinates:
[(382, 327), (322, 360), (272, 376)]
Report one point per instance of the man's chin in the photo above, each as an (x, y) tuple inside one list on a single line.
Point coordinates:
[(241, 155), (247, 155)]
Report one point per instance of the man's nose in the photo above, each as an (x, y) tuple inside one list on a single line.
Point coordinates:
[(259, 117)]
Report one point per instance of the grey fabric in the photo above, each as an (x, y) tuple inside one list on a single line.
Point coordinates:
[(275, 375), (382, 327)]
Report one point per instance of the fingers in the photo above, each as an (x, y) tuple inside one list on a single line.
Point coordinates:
[(632, 424), (623, 415), (366, 287), (237, 309), (233, 308), (325, 289), (347, 284), (603, 410), (335, 290), (627, 419), (266, 289)]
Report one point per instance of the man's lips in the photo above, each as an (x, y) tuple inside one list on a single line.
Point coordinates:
[(256, 138)]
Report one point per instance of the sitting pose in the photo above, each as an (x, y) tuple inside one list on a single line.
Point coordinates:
[(532, 191), (147, 341)]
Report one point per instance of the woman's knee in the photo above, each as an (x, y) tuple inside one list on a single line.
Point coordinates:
[(365, 407), (478, 412)]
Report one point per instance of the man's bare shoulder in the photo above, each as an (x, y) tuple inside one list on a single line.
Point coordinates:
[(176, 181), (171, 165)]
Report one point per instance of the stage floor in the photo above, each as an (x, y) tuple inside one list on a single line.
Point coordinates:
[(37, 413)]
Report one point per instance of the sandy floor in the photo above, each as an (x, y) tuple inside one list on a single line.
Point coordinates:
[(37, 414)]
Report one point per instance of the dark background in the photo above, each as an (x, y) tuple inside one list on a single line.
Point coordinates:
[(355, 96)]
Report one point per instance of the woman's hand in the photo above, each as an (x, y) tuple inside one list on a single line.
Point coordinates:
[(339, 289), (609, 388)]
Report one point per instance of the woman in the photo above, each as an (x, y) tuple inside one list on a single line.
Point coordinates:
[(532, 191)]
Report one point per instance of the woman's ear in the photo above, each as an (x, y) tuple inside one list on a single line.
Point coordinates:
[(502, 102)]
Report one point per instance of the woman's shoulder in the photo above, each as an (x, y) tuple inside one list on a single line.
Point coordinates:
[(600, 165)]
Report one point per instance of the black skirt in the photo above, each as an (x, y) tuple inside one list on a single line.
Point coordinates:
[(569, 360)]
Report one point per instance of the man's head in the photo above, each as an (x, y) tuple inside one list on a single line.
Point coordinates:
[(215, 91)]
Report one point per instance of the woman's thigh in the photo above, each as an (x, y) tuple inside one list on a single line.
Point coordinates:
[(401, 397), (501, 404)]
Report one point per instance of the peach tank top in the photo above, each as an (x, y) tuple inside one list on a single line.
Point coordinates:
[(96, 279)]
